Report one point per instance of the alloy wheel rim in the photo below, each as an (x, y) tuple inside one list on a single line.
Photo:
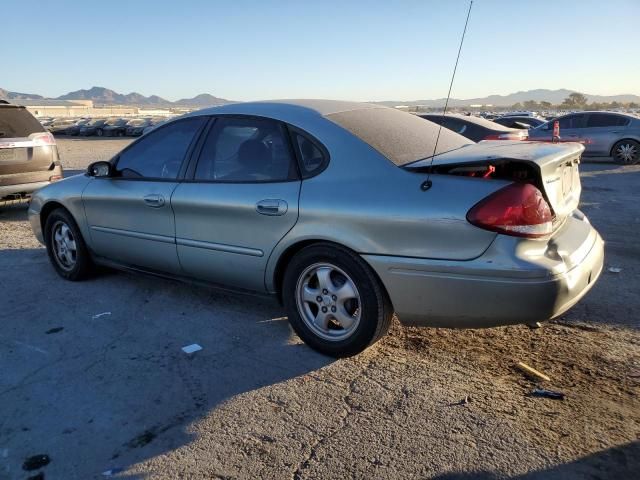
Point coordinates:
[(627, 153), (328, 301), (64, 246)]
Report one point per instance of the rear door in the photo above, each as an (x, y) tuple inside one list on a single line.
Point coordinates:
[(240, 201), (602, 130), (129, 215)]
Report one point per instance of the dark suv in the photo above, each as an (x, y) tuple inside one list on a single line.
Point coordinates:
[(28, 154)]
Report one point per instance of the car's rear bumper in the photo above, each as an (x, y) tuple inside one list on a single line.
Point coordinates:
[(27, 182), (506, 285)]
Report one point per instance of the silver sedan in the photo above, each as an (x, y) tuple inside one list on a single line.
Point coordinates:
[(347, 212)]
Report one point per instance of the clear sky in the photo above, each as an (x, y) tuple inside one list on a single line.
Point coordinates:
[(343, 49)]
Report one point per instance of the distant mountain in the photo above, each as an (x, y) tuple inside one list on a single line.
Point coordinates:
[(202, 100), (539, 95), (7, 95), (105, 96)]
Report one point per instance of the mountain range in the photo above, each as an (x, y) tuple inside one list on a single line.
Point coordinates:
[(538, 95), (105, 96)]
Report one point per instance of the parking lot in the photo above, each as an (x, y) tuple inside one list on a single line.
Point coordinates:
[(93, 376)]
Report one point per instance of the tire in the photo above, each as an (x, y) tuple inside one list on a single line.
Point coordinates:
[(67, 250), (99, 132), (626, 152), (363, 311)]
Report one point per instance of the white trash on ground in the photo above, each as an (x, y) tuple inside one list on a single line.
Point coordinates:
[(191, 348)]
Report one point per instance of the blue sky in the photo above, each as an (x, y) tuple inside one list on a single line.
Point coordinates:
[(348, 49)]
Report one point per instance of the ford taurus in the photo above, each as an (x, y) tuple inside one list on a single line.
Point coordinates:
[(347, 212)]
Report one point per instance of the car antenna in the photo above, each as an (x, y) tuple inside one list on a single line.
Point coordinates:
[(426, 185)]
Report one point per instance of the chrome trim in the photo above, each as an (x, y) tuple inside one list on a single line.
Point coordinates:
[(131, 233), (220, 247)]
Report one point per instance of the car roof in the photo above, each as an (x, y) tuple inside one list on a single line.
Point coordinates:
[(287, 108)]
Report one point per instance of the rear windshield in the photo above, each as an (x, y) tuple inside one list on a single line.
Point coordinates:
[(401, 137), (17, 123)]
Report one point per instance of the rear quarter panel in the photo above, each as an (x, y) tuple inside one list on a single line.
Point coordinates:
[(368, 204)]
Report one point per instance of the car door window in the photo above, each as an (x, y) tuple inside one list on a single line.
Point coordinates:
[(246, 150), (159, 154), (606, 120), (571, 121)]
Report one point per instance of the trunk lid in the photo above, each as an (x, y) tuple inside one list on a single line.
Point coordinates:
[(554, 167)]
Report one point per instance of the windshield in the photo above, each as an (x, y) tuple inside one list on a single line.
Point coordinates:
[(94, 123), (138, 122), (115, 121), (401, 137)]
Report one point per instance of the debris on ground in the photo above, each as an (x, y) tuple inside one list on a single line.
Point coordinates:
[(615, 269), (111, 472), (191, 348), (542, 392), (534, 325), (101, 315), (532, 371), (54, 330), (35, 462)]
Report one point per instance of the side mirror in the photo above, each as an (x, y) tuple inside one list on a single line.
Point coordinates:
[(100, 169)]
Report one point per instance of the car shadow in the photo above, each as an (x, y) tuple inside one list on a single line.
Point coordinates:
[(94, 375), (615, 463)]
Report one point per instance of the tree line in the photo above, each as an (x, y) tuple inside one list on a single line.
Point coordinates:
[(575, 101)]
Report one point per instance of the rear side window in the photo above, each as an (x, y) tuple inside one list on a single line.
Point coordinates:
[(17, 123), (572, 121), (606, 120), (246, 150), (159, 154), (311, 155)]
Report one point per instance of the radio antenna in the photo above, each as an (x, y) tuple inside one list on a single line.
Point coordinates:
[(427, 184)]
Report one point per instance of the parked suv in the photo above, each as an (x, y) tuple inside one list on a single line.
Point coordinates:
[(602, 133), (28, 154)]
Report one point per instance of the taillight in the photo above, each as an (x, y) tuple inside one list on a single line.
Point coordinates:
[(507, 136), (518, 209), (42, 139), (55, 178)]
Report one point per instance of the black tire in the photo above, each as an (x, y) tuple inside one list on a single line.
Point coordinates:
[(82, 266), (376, 311), (631, 146)]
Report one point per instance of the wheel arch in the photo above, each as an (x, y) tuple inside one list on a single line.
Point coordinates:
[(46, 210), (291, 250)]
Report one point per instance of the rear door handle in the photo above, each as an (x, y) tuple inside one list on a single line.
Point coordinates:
[(154, 200), (273, 207)]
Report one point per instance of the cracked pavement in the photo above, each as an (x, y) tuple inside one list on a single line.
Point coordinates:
[(96, 392)]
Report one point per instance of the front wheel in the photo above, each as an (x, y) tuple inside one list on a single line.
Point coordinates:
[(626, 152), (66, 248), (335, 302)]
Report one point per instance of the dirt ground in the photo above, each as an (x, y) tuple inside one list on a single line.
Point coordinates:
[(92, 375)]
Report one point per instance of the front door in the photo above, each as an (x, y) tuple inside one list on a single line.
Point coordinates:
[(129, 214), (241, 200)]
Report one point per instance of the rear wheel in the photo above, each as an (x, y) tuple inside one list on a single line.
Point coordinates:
[(626, 152), (334, 301), (66, 248)]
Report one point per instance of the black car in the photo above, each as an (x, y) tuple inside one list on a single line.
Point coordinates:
[(94, 127), (136, 127), (519, 122), (476, 128), (75, 127), (28, 153), (115, 127)]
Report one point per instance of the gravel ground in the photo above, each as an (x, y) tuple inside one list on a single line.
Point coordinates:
[(95, 392)]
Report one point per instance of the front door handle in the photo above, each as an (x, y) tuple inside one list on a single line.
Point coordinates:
[(154, 200), (273, 207)]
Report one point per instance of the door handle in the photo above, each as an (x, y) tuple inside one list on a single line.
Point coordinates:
[(154, 200), (272, 207)]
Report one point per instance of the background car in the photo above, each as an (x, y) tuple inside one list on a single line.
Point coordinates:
[(60, 126), (93, 127), (136, 127), (603, 134), (154, 124), (285, 198), (476, 128), (28, 153), (519, 122), (114, 127), (74, 129)]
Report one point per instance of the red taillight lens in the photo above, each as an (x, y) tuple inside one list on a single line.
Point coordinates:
[(55, 178), (518, 209), (42, 139), (507, 136)]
